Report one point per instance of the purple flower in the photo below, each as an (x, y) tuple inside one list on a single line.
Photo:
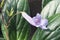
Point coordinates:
[(36, 21)]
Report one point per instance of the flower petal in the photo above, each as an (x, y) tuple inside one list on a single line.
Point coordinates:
[(38, 16), (44, 22), (43, 27), (28, 18), (36, 20)]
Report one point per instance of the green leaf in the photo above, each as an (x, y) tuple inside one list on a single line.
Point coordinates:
[(44, 2), (54, 21), (50, 9), (18, 28), (1, 38), (22, 25), (37, 34), (4, 31), (11, 34)]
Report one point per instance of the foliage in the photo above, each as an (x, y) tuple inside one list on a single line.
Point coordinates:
[(15, 27)]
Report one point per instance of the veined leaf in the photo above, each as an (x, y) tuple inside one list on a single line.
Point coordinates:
[(54, 21), (44, 2), (18, 28), (12, 25), (22, 25), (50, 8)]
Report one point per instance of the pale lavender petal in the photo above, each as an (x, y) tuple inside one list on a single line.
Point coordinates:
[(44, 22), (43, 27), (36, 20), (38, 16), (28, 18)]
